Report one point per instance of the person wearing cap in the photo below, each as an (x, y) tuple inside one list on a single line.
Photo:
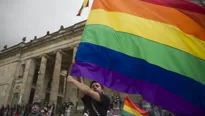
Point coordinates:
[(35, 110), (96, 103)]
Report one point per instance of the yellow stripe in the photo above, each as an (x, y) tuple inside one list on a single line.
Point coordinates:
[(131, 111), (85, 2), (149, 29)]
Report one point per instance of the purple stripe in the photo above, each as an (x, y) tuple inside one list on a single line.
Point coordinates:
[(152, 93)]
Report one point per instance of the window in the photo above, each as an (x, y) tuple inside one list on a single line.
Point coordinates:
[(21, 72), (15, 99)]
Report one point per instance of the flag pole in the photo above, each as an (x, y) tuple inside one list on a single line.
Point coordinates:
[(84, 5), (80, 79)]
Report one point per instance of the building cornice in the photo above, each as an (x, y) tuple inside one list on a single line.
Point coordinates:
[(72, 31)]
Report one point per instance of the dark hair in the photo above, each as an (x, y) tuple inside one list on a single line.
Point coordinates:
[(96, 82), (36, 103)]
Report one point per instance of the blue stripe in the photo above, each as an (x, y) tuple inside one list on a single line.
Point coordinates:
[(139, 69)]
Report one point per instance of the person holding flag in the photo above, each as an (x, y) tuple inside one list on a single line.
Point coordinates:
[(96, 103), (150, 47)]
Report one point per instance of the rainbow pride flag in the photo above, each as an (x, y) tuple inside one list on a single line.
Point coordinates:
[(152, 47), (84, 5), (130, 109)]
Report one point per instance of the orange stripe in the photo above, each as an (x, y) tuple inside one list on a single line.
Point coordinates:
[(199, 18), (153, 12), (128, 104)]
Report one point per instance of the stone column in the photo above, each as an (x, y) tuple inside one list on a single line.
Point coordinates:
[(40, 93), (80, 94), (67, 87), (74, 53), (27, 81), (71, 90), (56, 78), (12, 87)]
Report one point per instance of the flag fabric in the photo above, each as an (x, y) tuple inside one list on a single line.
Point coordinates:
[(84, 5), (130, 109), (152, 47)]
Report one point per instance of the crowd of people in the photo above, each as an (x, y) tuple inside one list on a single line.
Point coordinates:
[(96, 103), (44, 109), (35, 109)]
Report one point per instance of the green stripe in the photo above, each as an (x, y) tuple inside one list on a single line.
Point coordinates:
[(155, 53), (125, 113)]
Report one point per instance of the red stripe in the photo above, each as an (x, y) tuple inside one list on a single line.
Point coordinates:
[(179, 4), (129, 103)]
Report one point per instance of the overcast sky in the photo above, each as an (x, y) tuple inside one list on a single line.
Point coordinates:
[(29, 18)]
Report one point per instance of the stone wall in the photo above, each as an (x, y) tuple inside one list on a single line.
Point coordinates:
[(3, 89), (7, 74), (12, 58)]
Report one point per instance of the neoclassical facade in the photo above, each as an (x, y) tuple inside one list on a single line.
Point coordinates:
[(36, 70)]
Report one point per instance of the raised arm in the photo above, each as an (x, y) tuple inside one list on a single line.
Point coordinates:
[(84, 88)]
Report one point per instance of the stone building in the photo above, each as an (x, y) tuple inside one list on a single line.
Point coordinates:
[(36, 70)]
